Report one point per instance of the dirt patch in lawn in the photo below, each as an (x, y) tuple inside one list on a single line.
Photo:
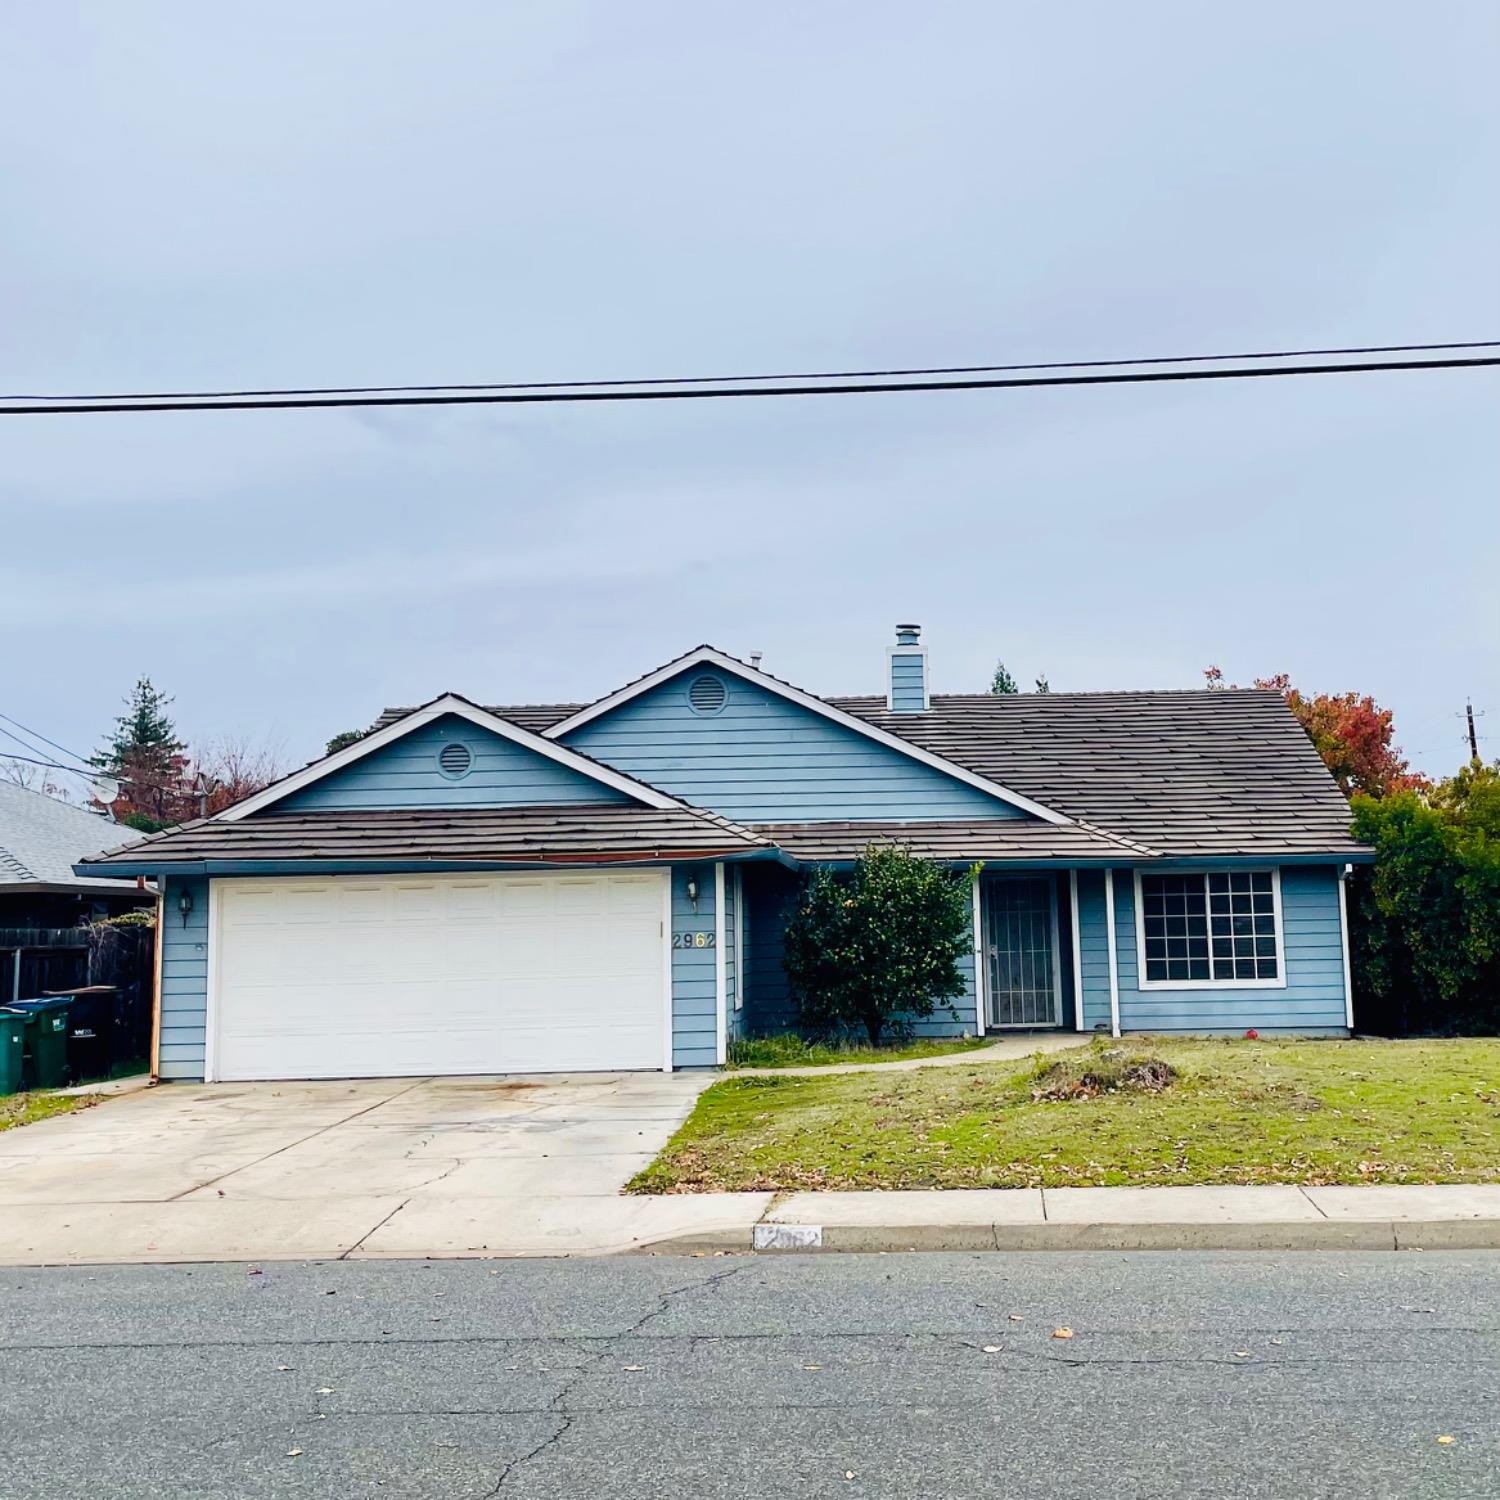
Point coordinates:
[(1235, 1111), (1106, 1071)]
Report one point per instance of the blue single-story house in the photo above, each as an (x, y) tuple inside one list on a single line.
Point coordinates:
[(600, 886)]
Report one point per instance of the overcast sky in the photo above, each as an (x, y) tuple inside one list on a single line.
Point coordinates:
[(345, 194)]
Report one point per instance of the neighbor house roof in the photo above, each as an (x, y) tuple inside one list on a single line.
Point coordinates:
[(519, 835), (41, 837), (1184, 774)]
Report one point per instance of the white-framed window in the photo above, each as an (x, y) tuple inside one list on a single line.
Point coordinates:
[(1216, 929)]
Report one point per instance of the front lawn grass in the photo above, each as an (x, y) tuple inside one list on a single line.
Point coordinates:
[(791, 1051), (27, 1109), (1309, 1112)]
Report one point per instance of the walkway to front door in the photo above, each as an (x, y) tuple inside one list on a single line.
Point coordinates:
[(1023, 972)]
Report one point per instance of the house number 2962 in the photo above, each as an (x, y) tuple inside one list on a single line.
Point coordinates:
[(692, 940)]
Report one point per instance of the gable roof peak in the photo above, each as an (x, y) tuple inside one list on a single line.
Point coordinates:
[(706, 654), (476, 714)]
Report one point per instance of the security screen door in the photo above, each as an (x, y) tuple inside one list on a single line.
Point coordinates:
[(1020, 945)]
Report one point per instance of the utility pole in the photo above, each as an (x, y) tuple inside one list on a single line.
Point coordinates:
[(1473, 738)]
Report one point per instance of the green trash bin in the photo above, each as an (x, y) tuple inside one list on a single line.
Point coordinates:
[(12, 1045), (46, 1064)]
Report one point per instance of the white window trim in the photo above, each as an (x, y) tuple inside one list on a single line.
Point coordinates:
[(1142, 983), (708, 654), (449, 703)]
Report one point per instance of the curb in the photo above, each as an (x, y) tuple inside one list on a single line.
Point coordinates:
[(1327, 1234)]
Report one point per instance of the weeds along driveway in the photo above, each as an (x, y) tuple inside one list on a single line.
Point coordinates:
[(429, 1166)]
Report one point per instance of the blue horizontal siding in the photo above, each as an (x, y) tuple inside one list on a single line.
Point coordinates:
[(405, 773), (765, 759), (184, 980), (770, 891), (1312, 999), (908, 684), (770, 895), (695, 1041), (1093, 949)]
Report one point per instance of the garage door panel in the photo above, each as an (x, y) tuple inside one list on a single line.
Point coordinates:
[(384, 977)]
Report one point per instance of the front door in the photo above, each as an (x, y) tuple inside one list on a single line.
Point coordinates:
[(1020, 945)]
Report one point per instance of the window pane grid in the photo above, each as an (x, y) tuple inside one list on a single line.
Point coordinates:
[(1213, 928)]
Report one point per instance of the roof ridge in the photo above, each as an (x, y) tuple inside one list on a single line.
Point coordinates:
[(1054, 693)]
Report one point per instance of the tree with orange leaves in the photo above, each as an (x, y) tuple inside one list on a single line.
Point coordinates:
[(1353, 734)]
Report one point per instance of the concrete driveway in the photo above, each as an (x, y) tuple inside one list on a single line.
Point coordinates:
[(367, 1168)]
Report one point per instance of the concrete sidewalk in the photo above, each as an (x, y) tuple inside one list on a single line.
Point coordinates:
[(1385, 1217), (441, 1168)]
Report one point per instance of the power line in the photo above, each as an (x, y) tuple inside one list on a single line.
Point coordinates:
[(560, 385), (36, 735), (31, 760), (550, 396)]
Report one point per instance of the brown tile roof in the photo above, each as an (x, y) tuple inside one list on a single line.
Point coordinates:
[(519, 834), (1191, 773), (984, 839), (1187, 773)]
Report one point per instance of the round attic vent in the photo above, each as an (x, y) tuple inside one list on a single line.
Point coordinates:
[(707, 694), (455, 759)]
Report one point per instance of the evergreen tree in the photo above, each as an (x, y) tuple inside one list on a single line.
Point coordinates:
[(145, 756), (1003, 682), (1042, 685)]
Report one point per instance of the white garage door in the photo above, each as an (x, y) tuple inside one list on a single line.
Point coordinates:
[(349, 977)]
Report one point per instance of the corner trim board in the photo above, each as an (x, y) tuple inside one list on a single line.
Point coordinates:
[(1077, 950), (666, 969), (1343, 878), (211, 988)]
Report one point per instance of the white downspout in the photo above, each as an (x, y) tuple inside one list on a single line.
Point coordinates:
[(1114, 958), (1344, 875)]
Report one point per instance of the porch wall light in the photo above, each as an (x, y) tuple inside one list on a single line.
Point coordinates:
[(185, 905), (692, 891)]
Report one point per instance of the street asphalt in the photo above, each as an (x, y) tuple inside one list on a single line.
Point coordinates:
[(1250, 1376)]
